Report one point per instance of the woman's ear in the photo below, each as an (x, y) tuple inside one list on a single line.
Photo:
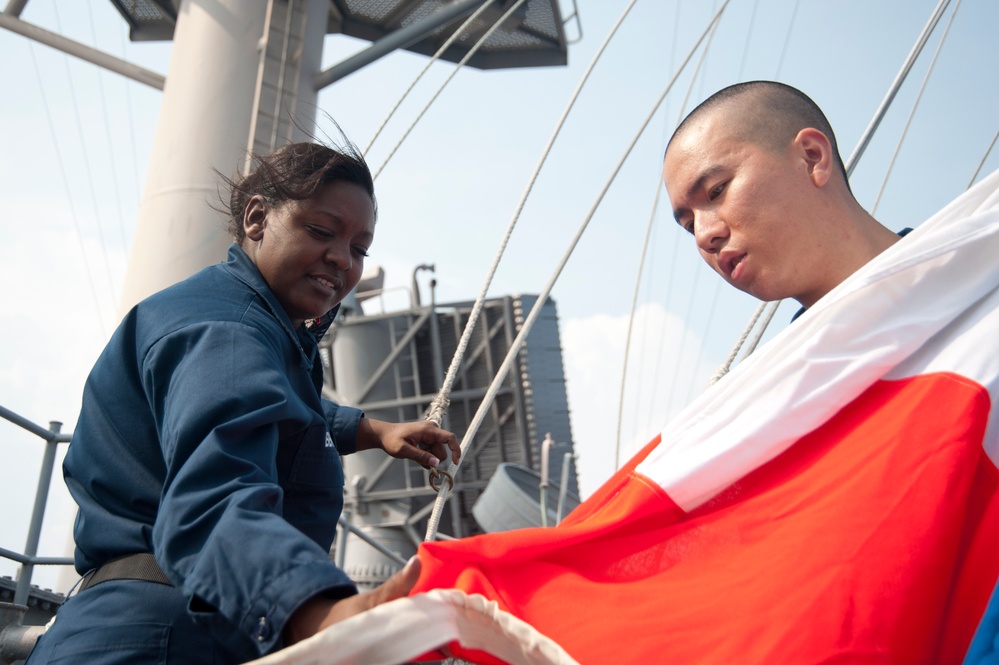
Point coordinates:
[(816, 150), (255, 218)]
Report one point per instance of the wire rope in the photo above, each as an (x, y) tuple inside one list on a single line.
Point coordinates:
[(439, 405), (768, 316), (672, 263), (447, 44), (749, 36), (910, 60), (657, 365), (683, 336), (69, 195), (535, 312), (707, 327), (787, 39), (107, 133), (131, 123), (703, 60), (655, 382), (984, 158), (676, 37), (734, 352), (672, 389), (727, 363), (915, 105), (631, 321), (650, 279), (86, 159), (693, 289), (472, 51)]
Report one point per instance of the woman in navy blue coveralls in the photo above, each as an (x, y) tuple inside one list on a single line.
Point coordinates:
[(205, 464)]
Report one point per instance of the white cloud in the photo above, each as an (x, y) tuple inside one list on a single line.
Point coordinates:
[(52, 336), (593, 352)]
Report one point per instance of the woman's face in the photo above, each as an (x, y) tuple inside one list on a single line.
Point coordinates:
[(311, 252)]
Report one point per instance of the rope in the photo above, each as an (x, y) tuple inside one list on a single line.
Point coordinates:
[(441, 401), (89, 171), (69, 196), (461, 63), (511, 355), (631, 321), (917, 48), (727, 364), (450, 40), (703, 346), (107, 134), (697, 274), (657, 365), (688, 314), (915, 105), (767, 318), (984, 158), (787, 39), (749, 34), (131, 125), (672, 263)]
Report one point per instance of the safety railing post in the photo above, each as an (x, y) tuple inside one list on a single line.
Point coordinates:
[(37, 514)]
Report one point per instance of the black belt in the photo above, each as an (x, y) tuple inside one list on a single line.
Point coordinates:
[(129, 567)]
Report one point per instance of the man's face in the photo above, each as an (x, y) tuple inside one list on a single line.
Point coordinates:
[(752, 211)]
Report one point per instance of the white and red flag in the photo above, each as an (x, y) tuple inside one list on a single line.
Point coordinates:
[(834, 499)]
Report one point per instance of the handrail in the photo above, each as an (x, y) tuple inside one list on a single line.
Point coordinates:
[(37, 430), (345, 523), (36, 560), (29, 559)]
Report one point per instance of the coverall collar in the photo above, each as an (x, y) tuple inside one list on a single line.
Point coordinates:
[(242, 267)]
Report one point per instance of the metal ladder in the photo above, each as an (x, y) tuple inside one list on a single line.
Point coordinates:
[(278, 76)]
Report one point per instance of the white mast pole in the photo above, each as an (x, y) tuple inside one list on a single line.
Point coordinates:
[(205, 121)]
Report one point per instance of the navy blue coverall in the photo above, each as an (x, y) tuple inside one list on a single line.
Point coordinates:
[(203, 439)]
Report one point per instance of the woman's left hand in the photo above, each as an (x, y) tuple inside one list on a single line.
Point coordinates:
[(421, 441)]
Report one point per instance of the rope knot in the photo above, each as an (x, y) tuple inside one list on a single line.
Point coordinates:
[(438, 407)]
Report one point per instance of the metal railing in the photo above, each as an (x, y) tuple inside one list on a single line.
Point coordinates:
[(29, 558)]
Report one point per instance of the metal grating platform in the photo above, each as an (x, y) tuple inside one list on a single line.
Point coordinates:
[(532, 37), (148, 20)]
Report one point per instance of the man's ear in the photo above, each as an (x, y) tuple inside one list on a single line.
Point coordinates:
[(255, 218), (816, 150)]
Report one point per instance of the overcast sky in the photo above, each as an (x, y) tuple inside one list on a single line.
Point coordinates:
[(76, 141)]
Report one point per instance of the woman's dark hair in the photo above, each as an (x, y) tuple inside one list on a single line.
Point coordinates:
[(295, 172)]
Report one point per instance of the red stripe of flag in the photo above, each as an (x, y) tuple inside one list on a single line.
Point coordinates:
[(870, 540)]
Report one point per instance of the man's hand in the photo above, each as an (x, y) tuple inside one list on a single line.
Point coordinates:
[(422, 441), (318, 613)]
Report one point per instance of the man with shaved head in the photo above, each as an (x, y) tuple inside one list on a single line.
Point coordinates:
[(834, 499), (755, 175)]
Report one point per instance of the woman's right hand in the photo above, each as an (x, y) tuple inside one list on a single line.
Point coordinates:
[(318, 613)]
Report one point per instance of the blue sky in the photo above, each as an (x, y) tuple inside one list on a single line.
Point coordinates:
[(76, 143)]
